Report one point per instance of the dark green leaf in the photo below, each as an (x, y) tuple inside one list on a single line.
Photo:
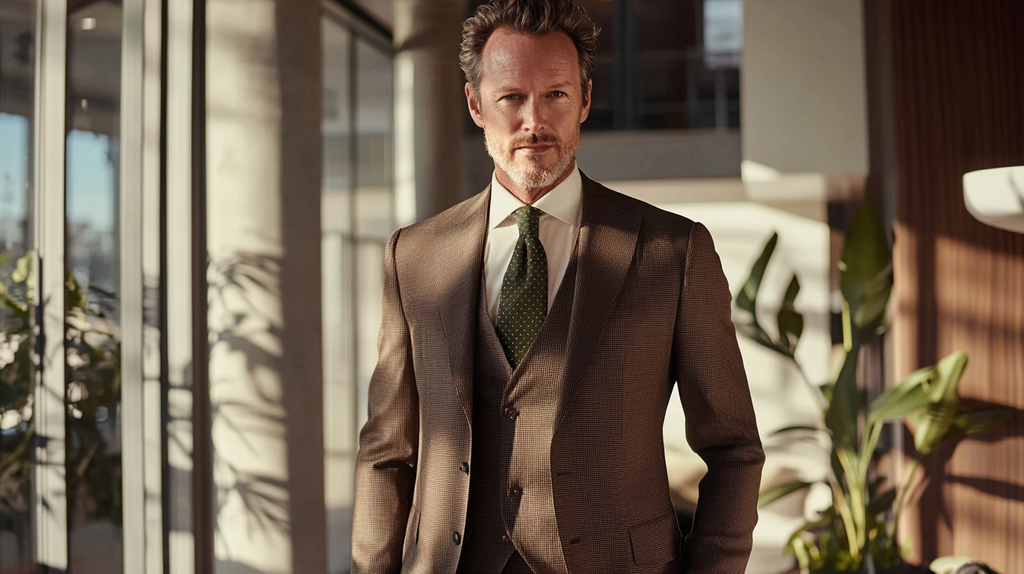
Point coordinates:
[(755, 333), (790, 321), (882, 502), (841, 417), (865, 268), (797, 428), (773, 494), (746, 299)]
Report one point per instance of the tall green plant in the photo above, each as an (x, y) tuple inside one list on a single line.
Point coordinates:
[(861, 524)]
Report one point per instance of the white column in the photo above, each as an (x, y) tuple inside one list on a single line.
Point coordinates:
[(263, 114), (429, 107)]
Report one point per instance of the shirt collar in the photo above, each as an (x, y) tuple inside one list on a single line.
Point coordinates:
[(563, 202)]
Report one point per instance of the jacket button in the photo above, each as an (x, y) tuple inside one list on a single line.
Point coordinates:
[(456, 538), (515, 491), (505, 539), (465, 467), (511, 412)]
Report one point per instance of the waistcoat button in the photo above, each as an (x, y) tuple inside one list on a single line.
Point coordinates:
[(465, 467), (456, 538), (511, 412)]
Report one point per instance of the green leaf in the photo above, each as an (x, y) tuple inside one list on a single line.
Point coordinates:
[(746, 299), (796, 428), (773, 494), (841, 417), (882, 502), (903, 398), (932, 424), (790, 321), (865, 268)]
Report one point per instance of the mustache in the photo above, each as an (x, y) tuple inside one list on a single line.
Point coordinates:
[(534, 139)]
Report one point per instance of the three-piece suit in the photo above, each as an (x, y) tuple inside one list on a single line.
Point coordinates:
[(464, 460)]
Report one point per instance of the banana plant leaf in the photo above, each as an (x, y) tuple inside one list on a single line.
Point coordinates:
[(785, 489), (882, 502), (797, 428), (902, 399), (746, 299), (865, 269), (933, 422), (790, 321), (841, 416)]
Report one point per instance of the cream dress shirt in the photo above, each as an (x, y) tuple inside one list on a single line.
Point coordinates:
[(559, 224)]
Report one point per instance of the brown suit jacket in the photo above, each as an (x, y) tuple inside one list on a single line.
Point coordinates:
[(651, 310)]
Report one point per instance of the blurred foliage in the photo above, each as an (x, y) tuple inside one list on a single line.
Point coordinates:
[(860, 526), (92, 399)]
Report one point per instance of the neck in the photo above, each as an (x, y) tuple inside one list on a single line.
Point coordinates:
[(529, 196)]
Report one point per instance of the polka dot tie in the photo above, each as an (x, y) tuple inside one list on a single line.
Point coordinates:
[(523, 303)]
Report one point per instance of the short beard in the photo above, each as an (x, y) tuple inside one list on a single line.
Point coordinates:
[(533, 177)]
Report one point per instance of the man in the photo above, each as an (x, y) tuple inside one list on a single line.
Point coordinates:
[(530, 342)]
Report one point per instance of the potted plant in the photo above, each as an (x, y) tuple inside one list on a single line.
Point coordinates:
[(857, 532)]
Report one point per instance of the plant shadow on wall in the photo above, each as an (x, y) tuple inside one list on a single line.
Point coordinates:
[(239, 287), (858, 531), (93, 394), (92, 399)]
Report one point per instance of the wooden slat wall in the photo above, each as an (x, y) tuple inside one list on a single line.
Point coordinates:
[(958, 86)]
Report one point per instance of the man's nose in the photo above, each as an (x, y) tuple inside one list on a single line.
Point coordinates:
[(534, 116)]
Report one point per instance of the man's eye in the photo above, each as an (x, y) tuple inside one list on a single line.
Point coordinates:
[(510, 97), (558, 94)]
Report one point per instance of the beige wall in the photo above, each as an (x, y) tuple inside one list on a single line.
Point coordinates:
[(803, 90)]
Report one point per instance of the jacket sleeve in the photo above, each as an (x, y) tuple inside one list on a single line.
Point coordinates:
[(720, 425), (388, 442)]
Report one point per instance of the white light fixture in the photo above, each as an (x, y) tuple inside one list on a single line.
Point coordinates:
[(996, 197), (88, 23)]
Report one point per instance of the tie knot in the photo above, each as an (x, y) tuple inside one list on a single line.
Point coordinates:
[(528, 221)]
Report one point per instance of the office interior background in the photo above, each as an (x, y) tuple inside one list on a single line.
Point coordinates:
[(195, 196)]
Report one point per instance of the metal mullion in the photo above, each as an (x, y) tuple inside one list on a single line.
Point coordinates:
[(132, 285), (50, 488), (353, 189), (154, 436), (178, 285)]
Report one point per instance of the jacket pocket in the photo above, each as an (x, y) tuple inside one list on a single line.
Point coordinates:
[(655, 541)]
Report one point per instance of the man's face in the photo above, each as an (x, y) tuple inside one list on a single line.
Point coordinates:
[(530, 105)]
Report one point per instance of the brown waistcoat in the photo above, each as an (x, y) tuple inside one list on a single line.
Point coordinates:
[(514, 414)]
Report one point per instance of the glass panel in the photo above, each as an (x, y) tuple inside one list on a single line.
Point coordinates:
[(374, 143), (17, 77), (338, 297), (663, 64), (92, 339)]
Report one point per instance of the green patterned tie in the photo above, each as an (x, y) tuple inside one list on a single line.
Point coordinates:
[(523, 303)]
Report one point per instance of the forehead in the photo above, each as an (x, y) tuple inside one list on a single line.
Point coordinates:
[(509, 56)]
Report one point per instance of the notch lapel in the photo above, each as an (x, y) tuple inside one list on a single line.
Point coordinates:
[(460, 252), (608, 235)]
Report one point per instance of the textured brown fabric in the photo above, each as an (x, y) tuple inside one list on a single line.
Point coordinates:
[(651, 310), (510, 447)]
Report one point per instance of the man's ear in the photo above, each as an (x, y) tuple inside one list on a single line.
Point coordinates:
[(585, 112), (473, 101)]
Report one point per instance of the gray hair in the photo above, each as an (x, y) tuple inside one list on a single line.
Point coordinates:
[(532, 18)]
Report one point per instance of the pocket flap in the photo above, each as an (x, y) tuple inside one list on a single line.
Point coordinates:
[(655, 541)]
